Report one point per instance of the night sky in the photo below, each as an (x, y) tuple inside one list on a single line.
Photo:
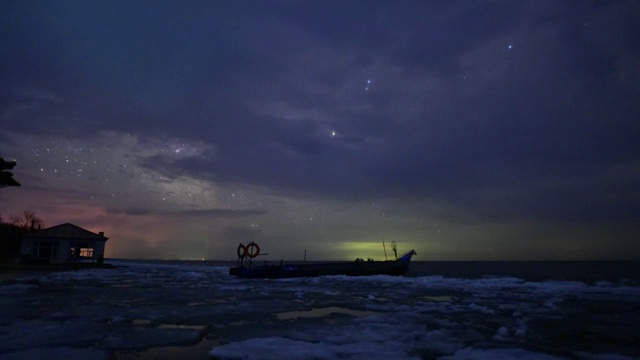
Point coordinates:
[(466, 130)]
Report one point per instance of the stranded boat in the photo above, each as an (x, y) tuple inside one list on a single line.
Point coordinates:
[(359, 267)]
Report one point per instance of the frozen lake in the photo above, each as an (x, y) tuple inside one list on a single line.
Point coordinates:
[(167, 311)]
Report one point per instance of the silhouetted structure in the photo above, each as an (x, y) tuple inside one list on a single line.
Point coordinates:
[(6, 177), (62, 244), (10, 241)]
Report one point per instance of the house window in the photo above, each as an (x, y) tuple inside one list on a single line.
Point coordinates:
[(82, 249), (86, 252), (45, 249)]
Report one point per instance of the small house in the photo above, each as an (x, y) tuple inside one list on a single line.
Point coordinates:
[(63, 243)]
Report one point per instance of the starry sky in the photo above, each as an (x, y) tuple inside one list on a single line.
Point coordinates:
[(466, 130)]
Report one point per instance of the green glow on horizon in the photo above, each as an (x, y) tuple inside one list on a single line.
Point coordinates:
[(371, 249)]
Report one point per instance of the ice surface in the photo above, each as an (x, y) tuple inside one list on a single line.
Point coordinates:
[(499, 354), (97, 314), (62, 353), (283, 348)]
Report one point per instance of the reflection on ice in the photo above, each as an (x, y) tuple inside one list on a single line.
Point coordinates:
[(438, 298), (178, 326), (143, 311), (322, 312)]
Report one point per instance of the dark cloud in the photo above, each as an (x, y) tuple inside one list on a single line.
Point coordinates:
[(510, 110)]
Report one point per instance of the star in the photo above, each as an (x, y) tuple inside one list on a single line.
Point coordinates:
[(368, 85)]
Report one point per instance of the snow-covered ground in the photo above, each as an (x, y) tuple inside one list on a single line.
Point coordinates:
[(141, 310)]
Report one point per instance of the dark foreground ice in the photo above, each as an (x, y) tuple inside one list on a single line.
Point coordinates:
[(159, 311)]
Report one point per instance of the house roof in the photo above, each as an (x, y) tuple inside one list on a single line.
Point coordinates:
[(66, 231)]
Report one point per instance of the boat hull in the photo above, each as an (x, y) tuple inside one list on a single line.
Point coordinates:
[(356, 268)]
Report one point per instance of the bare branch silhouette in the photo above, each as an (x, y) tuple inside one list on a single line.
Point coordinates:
[(27, 220)]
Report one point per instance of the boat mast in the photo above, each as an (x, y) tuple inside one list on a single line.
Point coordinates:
[(394, 247), (385, 250)]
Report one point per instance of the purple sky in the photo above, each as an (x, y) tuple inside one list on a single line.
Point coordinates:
[(484, 130)]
